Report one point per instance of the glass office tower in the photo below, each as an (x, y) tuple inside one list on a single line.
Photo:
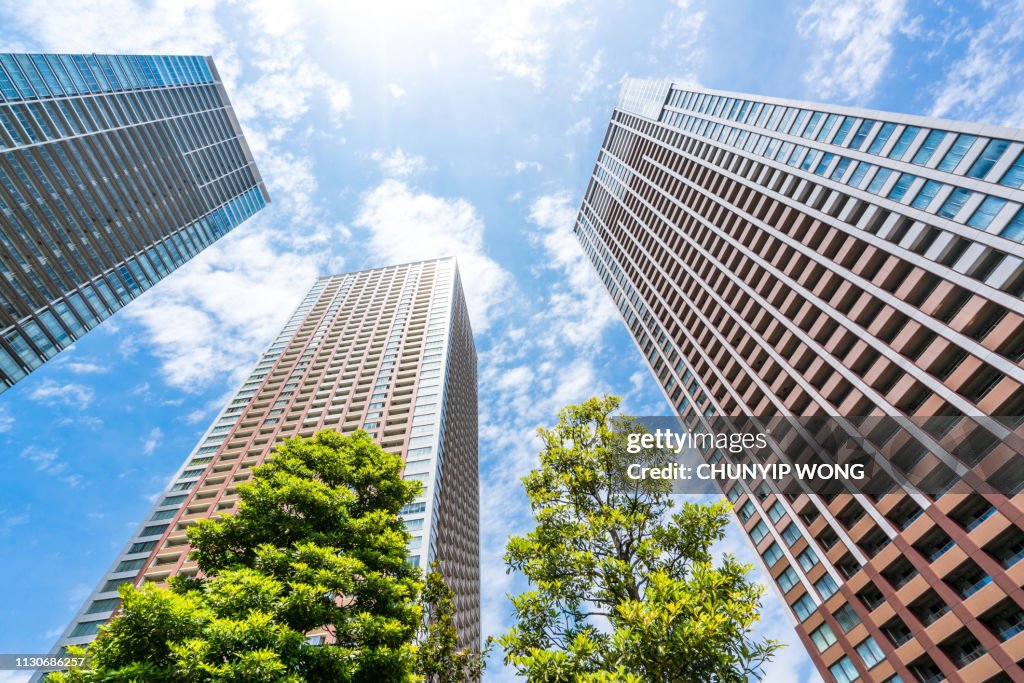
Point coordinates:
[(389, 351), (773, 257), (114, 171)]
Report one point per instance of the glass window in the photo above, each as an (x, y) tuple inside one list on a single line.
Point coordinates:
[(807, 559), (759, 531), (883, 137), (1014, 175), (776, 511), (840, 170), (870, 652), (847, 617), (858, 174), (787, 579), (843, 130), (902, 185), (956, 200), (956, 152), (844, 671), (986, 211), (879, 180), (804, 607), (926, 194), (989, 156), (826, 586), (791, 533), (747, 511), (862, 133), (772, 554), (823, 637), (928, 147), (907, 137), (1014, 230)]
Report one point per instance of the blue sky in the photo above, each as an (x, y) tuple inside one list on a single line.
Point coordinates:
[(392, 131)]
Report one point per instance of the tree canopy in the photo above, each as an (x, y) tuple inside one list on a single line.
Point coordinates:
[(315, 546), (623, 583)]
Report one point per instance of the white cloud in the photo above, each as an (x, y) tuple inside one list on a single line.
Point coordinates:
[(679, 35), (405, 225), (851, 44), (398, 164), (397, 92), (9, 520), (85, 368), (521, 166), (51, 393), (152, 441), (6, 420), (581, 127), (578, 304), (220, 309), (591, 76), (517, 36), (47, 461), (986, 83)]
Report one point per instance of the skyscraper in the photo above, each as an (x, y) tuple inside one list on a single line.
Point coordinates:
[(114, 171), (389, 351), (773, 257)]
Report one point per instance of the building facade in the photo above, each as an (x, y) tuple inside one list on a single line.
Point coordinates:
[(389, 351), (773, 257), (114, 171)]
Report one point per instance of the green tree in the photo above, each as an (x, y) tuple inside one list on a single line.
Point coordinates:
[(623, 586), (439, 657), (316, 545)]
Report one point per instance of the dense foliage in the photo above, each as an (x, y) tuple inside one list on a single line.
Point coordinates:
[(316, 545), (623, 583)]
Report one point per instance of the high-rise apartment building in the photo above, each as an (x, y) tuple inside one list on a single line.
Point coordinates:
[(389, 351), (114, 171), (774, 257)]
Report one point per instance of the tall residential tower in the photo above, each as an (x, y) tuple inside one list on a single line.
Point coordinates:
[(114, 171), (773, 258), (389, 351)]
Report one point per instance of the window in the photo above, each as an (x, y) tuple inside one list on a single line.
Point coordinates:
[(1014, 230), (902, 185), (870, 652), (130, 565), (956, 152), (787, 579), (875, 186), (104, 605), (87, 628), (907, 137), (807, 559), (772, 554), (759, 531), (926, 194), (844, 670), (951, 207), (989, 156), (143, 547), (1014, 175), (823, 637), (883, 136), (986, 211), (928, 147), (826, 587), (804, 607), (747, 511), (791, 534), (861, 134), (847, 617), (776, 511)]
